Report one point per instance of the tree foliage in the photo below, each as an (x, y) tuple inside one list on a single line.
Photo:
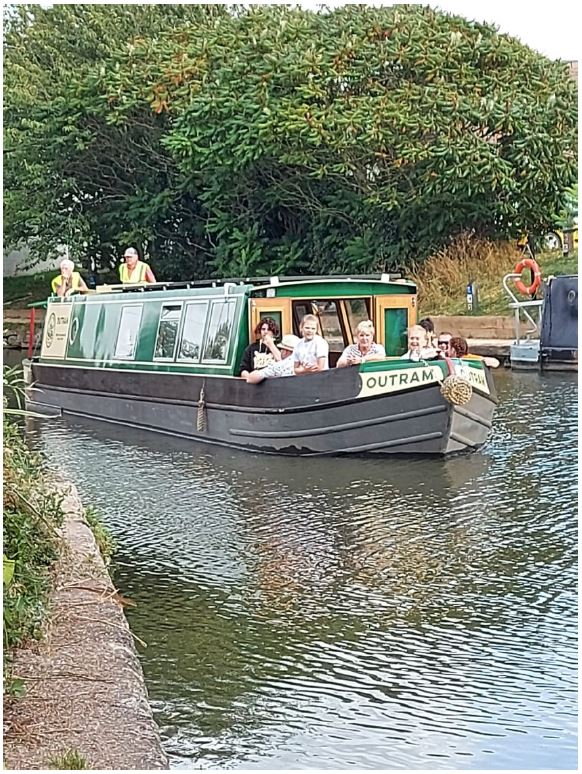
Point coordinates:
[(237, 141)]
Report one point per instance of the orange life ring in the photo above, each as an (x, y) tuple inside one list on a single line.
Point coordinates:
[(528, 263)]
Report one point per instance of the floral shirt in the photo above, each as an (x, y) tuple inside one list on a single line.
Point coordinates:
[(283, 367)]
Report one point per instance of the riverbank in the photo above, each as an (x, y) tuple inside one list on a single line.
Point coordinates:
[(85, 699)]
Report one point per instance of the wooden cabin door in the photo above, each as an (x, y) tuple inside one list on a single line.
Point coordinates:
[(392, 316), (277, 308)]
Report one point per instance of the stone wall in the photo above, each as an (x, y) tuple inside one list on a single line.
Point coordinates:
[(84, 687)]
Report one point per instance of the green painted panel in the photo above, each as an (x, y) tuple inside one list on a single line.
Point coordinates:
[(341, 290), (395, 327)]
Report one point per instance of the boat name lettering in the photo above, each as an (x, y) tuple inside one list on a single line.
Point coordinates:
[(475, 376), (56, 332), (403, 378), (407, 378)]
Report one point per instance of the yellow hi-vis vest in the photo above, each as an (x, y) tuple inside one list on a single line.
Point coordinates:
[(75, 281), (137, 275)]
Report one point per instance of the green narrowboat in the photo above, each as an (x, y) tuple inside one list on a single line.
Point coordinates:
[(165, 357)]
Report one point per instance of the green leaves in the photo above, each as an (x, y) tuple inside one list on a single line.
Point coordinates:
[(7, 570), (232, 140)]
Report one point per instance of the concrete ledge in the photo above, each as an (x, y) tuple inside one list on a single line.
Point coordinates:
[(484, 327), (85, 689), (498, 348)]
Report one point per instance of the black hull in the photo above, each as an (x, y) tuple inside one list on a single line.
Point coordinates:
[(318, 414)]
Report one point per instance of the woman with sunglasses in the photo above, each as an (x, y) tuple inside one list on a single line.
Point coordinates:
[(262, 351)]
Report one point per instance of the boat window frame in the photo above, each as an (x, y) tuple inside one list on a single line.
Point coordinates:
[(234, 302), (186, 304), (315, 303), (171, 359), (124, 306), (348, 315)]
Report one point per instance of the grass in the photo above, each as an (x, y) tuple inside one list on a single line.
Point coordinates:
[(25, 289), (442, 279), (71, 760), (32, 515), (104, 539)]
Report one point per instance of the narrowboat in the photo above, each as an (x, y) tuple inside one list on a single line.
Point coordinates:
[(166, 356)]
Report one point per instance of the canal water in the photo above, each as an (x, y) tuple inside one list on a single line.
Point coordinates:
[(338, 613)]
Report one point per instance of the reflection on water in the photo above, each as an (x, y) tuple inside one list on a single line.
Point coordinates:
[(351, 613)]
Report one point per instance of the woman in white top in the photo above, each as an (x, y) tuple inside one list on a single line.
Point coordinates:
[(364, 349), (311, 353)]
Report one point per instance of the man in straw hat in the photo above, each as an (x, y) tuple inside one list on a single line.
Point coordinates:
[(283, 367)]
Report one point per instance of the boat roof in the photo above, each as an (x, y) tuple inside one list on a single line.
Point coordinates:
[(258, 283)]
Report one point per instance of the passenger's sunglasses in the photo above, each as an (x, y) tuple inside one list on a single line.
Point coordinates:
[(443, 343)]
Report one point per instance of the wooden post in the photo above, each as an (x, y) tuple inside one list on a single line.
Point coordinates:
[(31, 331)]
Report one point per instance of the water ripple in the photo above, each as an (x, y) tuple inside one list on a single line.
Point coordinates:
[(337, 613)]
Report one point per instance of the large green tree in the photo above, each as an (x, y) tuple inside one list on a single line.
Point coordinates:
[(236, 141)]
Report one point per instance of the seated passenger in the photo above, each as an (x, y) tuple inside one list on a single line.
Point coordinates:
[(133, 270), (443, 343), (283, 367), (262, 351), (428, 326), (460, 348), (418, 348), (311, 353), (364, 349), (68, 281)]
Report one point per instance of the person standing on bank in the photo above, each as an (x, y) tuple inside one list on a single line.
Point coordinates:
[(263, 351), (312, 351), (133, 270), (68, 281)]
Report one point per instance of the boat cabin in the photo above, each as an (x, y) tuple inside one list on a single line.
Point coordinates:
[(204, 327)]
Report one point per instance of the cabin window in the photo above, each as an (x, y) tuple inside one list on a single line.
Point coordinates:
[(300, 309), (168, 332), (357, 311), (219, 333), (126, 344), (331, 328), (395, 331), (193, 331)]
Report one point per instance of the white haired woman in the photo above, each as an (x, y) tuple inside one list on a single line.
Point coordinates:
[(418, 347), (68, 281), (364, 349)]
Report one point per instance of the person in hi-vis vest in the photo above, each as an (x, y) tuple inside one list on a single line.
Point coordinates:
[(134, 270), (68, 280)]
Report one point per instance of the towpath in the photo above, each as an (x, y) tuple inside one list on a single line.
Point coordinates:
[(84, 687)]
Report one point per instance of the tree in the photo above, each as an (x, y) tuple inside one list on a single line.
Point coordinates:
[(71, 174), (271, 139)]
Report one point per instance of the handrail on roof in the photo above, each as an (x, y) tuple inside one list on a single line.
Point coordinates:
[(213, 283)]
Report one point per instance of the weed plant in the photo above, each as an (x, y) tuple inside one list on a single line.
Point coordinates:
[(103, 537), (70, 760), (32, 516)]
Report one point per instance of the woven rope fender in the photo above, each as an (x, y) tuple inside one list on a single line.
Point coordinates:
[(201, 412), (457, 390)]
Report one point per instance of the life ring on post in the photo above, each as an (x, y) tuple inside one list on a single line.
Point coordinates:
[(528, 263)]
